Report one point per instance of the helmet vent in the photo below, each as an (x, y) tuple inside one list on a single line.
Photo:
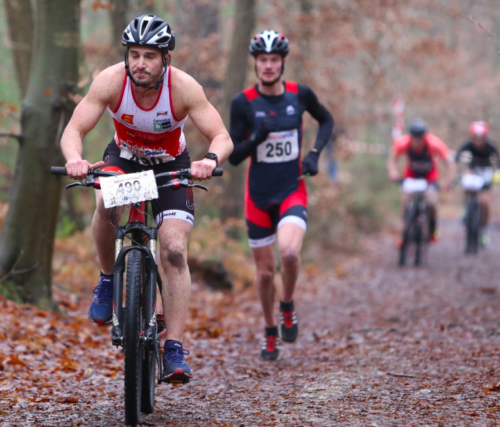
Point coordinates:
[(155, 25), (143, 27), (162, 40)]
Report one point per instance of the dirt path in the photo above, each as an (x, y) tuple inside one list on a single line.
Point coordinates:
[(379, 346)]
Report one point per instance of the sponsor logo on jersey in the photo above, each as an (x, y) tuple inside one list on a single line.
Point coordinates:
[(290, 110), (128, 118), (162, 113), (162, 124), (260, 114)]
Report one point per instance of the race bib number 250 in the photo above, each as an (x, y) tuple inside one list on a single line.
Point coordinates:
[(279, 147), (130, 188)]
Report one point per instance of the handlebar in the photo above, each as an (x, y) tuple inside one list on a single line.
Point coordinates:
[(183, 173), (180, 178), (61, 171)]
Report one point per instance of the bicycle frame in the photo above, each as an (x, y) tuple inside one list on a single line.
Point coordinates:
[(137, 229), (415, 219)]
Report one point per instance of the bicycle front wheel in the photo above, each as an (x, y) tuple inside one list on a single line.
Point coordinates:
[(132, 343), (473, 225)]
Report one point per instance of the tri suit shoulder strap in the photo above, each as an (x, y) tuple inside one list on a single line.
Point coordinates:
[(292, 87), (251, 93)]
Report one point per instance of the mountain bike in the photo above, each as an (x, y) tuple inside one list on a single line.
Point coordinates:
[(416, 221), (136, 325), (472, 185)]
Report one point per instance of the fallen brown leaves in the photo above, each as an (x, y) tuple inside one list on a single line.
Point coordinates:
[(377, 345)]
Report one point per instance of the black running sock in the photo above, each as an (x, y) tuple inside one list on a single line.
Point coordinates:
[(272, 332), (287, 306), (107, 276)]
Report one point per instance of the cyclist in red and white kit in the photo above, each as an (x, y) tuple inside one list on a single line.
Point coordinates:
[(149, 102), (266, 125), (422, 151)]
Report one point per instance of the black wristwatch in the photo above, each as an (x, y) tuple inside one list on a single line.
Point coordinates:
[(213, 156)]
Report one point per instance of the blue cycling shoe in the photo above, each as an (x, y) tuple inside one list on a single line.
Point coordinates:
[(176, 368), (101, 309)]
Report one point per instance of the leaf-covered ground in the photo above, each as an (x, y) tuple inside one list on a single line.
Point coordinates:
[(379, 346)]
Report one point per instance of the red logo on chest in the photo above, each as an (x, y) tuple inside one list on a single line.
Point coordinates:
[(128, 118)]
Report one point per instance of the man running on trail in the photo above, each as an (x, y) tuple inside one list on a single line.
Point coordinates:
[(422, 151), (266, 125), (149, 102), (483, 159)]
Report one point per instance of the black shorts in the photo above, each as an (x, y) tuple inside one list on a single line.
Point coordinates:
[(171, 203), (262, 224)]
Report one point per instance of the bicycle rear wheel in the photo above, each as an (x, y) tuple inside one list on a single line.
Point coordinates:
[(132, 343)]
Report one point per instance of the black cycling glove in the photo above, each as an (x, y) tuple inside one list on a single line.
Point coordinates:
[(268, 124), (310, 163)]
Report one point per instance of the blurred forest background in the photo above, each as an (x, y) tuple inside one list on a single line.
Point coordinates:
[(440, 56)]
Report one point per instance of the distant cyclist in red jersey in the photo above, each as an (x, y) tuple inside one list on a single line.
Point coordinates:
[(266, 125), (422, 151)]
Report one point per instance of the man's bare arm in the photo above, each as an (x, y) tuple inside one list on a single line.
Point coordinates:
[(209, 123), (85, 117), (392, 167)]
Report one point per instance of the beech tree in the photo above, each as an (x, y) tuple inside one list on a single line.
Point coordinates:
[(244, 23), (27, 236), (20, 22)]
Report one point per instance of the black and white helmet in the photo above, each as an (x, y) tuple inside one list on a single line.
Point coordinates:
[(149, 30), (269, 42)]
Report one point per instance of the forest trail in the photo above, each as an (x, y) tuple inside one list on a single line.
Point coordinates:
[(378, 346)]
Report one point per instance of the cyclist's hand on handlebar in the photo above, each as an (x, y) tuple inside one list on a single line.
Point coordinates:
[(78, 169), (202, 169), (447, 186), (394, 176)]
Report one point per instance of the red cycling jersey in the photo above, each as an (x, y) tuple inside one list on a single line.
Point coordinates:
[(421, 163)]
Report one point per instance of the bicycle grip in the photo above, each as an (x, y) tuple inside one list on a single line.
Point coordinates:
[(58, 170), (218, 172)]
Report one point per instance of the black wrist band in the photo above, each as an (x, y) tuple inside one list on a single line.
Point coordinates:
[(213, 156)]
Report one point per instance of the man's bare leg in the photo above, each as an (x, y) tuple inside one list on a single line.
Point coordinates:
[(264, 261), (103, 232), (173, 236), (290, 239)]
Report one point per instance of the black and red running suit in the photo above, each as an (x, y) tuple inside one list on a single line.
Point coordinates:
[(275, 194)]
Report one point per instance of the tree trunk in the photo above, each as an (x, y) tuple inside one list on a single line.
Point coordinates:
[(119, 22), (27, 236), (244, 23), (20, 22)]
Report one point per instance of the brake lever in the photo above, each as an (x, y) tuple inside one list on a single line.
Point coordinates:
[(74, 184), (198, 186)]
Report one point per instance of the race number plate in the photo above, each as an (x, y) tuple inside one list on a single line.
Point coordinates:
[(130, 188), (414, 185), (472, 182), (279, 147)]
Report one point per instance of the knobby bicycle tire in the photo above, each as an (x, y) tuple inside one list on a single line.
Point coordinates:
[(148, 371), (407, 233), (133, 347), (473, 225)]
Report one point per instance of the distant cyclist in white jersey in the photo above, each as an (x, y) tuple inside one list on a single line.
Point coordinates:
[(149, 101)]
